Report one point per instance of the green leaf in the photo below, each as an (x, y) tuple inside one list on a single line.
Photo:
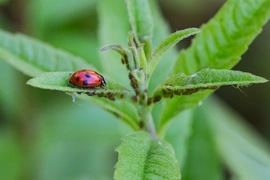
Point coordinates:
[(223, 40), (225, 37), (206, 79), (121, 109), (245, 153), (166, 44), (203, 160), (181, 84), (59, 81), (140, 18), (33, 57), (141, 157)]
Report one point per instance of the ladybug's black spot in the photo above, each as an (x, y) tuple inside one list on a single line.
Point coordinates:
[(85, 82), (77, 78), (87, 75)]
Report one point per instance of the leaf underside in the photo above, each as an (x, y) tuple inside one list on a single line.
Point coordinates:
[(141, 157)]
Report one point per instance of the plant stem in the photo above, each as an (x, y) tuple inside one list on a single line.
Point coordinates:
[(149, 125)]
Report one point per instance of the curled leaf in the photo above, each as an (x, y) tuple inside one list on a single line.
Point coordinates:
[(117, 47), (124, 52)]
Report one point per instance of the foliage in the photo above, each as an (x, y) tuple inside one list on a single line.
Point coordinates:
[(141, 157), (197, 72)]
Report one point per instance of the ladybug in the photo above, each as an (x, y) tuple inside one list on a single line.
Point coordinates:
[(87, 79)]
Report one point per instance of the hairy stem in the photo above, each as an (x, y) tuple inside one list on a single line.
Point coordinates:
[(150, 126), (147, 119)]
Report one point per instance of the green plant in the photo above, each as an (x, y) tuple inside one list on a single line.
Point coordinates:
[(148, 106)]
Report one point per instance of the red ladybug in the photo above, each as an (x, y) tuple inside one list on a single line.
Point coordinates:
[(87, 79)]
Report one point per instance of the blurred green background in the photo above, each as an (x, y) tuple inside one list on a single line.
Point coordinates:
[(43, 135)]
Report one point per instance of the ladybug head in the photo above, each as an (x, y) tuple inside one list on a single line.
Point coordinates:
[(103, 82)]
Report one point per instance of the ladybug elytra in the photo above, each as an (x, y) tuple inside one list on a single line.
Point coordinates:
[(87, 79)]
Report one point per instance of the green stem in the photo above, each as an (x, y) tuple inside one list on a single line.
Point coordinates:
[(148, 122), (150, 126)]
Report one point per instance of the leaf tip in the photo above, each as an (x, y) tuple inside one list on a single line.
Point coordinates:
[(196, 29), (104, 48), (29, 82), (262, 80)]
